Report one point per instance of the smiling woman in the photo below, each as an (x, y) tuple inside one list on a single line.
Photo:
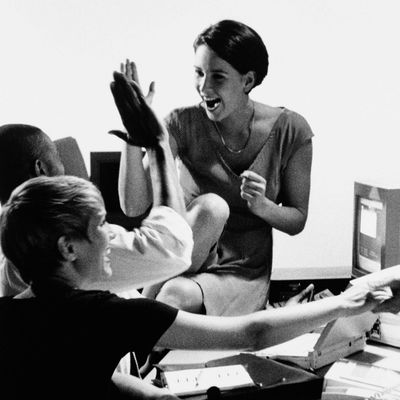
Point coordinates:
[(93, 254), (66, 230), (245, 170)]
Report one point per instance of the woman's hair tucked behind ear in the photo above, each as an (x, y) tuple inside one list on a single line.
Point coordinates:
[(237, 44), (38, 213)]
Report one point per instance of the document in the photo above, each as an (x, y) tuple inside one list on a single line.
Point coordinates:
[(363, 379)]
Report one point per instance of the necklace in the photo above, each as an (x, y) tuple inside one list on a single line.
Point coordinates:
[(250, 129)]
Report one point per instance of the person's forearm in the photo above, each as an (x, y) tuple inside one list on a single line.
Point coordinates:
[(290, 220), (253, 331), (283, 324), (134, 186), (164, 178)]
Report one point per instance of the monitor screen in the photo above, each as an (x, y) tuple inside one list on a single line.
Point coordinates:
[(376, 231), (104, 171), (370, 215)]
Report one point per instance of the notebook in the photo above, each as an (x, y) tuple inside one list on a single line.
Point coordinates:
[(337, 339)]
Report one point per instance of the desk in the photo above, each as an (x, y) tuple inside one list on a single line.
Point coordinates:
[(380, 355)]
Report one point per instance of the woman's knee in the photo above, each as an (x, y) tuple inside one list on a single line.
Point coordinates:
[(210, 209), (182, 293)]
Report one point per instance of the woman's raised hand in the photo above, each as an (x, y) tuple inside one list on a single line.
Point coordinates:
[(142, 125), (130, 71)]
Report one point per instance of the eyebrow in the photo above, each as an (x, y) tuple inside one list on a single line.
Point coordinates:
[(220, 71)]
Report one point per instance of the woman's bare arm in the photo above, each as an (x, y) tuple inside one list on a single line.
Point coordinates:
[(291, 216), (268, 327)]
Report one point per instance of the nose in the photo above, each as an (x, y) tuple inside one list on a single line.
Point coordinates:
[(111, 233), (203, 84)]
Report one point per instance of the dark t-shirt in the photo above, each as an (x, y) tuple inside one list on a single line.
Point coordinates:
[(66, 343)]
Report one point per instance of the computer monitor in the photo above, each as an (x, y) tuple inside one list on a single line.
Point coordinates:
[(104, 171), (376, 234)]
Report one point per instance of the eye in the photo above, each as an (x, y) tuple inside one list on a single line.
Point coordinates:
[(218, 77), (198, 73)]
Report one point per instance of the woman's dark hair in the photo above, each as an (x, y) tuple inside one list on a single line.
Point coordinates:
[(237, 44)]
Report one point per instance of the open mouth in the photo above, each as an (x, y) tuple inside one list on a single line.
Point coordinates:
[(212, 104)]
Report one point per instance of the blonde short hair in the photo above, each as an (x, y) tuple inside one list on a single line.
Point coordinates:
[(38, 213)]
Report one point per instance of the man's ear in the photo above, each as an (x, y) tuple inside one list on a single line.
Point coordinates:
[(249, 81), (40, 168), (67, 248)]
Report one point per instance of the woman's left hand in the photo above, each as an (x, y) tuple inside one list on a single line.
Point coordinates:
[(252, 190)]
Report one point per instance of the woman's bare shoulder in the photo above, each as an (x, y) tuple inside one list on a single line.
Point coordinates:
[(267, 112)]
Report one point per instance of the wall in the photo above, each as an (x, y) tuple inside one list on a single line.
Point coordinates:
[(334, 61)]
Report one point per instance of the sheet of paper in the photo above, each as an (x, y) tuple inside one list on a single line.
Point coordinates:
[(195, 356), (298, 347), (363, 375)]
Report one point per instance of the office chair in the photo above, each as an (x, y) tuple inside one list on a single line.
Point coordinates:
[(71, 157)]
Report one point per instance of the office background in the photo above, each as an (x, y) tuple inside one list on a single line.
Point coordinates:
[(334, 61)]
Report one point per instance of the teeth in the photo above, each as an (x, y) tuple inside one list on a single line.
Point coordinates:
[(212, 104)]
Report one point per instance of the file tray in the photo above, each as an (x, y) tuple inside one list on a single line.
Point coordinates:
[(272, 380), (338, 339)]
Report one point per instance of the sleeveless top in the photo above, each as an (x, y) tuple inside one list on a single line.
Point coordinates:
[(245, 246)]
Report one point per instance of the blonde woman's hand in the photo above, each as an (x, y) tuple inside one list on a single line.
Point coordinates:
[(361, 298), (385, 286)]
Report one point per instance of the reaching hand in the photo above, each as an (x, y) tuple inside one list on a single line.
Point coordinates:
[(385, 286), (142, 125), (130, 71), (360, 298)]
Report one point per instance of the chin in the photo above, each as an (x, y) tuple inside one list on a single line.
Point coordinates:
[(216, 117), (107, 271)]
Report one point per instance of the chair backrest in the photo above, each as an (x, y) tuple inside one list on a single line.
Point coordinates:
[(71, 157)]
